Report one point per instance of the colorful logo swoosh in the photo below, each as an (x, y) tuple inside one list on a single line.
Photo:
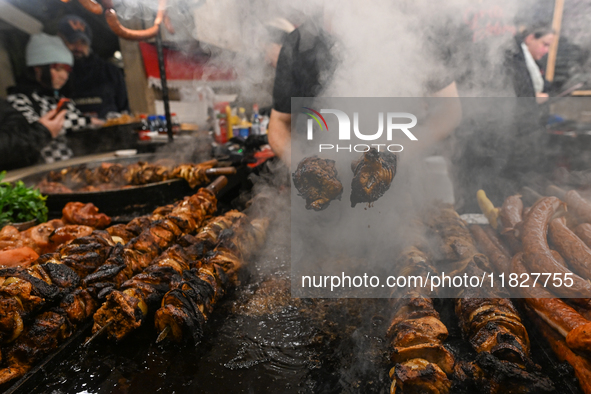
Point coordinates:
[(315, 116)]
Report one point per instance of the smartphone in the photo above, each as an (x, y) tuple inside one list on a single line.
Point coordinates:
[(61, 105)]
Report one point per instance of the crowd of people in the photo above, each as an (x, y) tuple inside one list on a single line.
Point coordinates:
[(33, 131)]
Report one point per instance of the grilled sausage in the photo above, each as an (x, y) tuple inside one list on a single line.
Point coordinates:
[(575, 251), (536, 252), (511, 212), (135, 35), (92, 6), (511, 215), (560, 316), (583, 231), (494, 237), (500, 261), (580, 364)]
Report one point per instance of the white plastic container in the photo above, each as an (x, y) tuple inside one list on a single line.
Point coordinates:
[(437, 181)]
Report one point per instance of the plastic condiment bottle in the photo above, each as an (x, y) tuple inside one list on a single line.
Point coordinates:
[(255, 129), (229, 120)]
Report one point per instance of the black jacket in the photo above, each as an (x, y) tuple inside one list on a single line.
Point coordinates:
[(33, 101), (20, 142), (97, 86), (518, 73)]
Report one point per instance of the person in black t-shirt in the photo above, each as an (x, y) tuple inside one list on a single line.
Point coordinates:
[(305, 53), (97, 86), (304, 69)]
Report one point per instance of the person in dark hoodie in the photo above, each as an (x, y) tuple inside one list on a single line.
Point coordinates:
[(97, 86), (21, 142), (49, 63)]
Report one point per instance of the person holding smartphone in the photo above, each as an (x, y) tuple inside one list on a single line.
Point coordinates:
[(20, 141), (49, 63)]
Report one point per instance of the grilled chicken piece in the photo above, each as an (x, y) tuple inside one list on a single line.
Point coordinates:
[(451, 235), (488, 374), (46, 333), (84, 214), (316, 181), (47, 187), (120, 311), (121, 233), (68, 233), (194, 174), (372, 176), (11, 238), (419, 376), (493, 325), (38, 237), (111, 173), (72, 177), (142, 173), (416, 331), (22, 256)]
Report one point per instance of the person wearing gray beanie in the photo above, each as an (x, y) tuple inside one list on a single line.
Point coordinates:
[(49, 64)]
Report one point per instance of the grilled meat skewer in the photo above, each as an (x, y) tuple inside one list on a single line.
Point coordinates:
[(89, 254), (78, 306), (316, 181), (112, 175), (186, 308), (490, 323), (146, 289), (23, 291), (373, 175), (416, 335)]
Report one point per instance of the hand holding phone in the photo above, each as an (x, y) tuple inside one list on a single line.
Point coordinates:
[(61, 105)]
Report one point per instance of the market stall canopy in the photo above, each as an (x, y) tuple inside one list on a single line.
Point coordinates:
[(181, 68)]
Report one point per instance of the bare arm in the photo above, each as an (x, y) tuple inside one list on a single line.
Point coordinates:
[(444, 118), (280, 135)]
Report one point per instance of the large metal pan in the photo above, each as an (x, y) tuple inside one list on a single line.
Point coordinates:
[(129, 201)]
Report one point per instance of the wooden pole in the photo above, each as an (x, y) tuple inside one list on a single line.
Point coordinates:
[(556, 25)]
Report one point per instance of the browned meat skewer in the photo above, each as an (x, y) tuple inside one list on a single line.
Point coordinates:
[(186, 308), (416, 335), (372, 176), (145, 290), (490, 323), (316, 181), (91, 258), (110, 176), (77, 306)]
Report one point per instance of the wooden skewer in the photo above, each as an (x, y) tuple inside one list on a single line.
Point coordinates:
[(212, 162), (218, 184), (221, 171), (163, 334), (98, 333)]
